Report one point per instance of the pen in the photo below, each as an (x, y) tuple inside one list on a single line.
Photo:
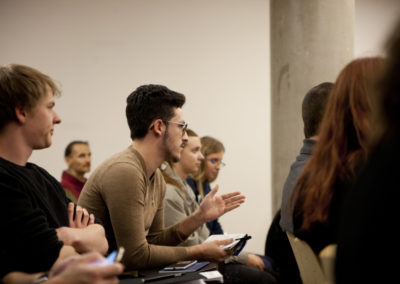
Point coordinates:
[(244, 238)]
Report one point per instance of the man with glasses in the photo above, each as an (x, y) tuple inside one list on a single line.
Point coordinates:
[(127, 190)]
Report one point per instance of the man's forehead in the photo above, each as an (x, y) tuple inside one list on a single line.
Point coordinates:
[(80, 147)]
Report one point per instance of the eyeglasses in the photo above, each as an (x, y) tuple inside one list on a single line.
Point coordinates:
[(183, 125), (216, 162)]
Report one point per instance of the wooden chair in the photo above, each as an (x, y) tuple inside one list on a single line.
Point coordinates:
[(313, 269)]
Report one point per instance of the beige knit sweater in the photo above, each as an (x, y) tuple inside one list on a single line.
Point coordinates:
[(130, 205)]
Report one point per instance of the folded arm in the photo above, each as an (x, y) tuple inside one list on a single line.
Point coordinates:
[(91, 238), (82, 234)]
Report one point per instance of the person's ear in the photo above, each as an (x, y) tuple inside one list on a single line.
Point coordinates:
[(21, 114), (68, 160), (158, 127)]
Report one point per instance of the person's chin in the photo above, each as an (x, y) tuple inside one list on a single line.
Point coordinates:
[(44, 145), (195, 170), (176, 158), (213, 178)]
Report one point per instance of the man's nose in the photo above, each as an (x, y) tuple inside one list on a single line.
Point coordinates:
[(56, 119)]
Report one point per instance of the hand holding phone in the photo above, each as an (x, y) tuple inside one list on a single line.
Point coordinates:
[(115, 256)]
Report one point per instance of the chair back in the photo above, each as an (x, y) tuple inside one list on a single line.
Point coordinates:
[(327, 258), (309, 265)]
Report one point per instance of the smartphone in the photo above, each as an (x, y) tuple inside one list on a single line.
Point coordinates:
[(115, 256)]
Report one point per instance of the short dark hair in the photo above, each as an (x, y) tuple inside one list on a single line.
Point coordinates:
[(150, 102), (21, 87), (313, 108), (68, 149)]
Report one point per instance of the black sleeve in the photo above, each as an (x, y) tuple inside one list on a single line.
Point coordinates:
[(27, 243)]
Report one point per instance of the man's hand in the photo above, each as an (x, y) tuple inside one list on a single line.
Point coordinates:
[(255, 261), (82, 218), (210, 251), (78, 269), (84, 239), (214, 206)]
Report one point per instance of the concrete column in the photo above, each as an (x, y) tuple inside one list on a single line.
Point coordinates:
[(311, 41)]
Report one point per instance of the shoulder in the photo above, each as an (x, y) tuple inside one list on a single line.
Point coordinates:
[(173, 193), (125, 166), (13, 174)]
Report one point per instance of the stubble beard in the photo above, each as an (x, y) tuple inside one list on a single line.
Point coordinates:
[(169, 156)]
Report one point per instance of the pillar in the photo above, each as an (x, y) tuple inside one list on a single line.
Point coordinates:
[(311, 41)]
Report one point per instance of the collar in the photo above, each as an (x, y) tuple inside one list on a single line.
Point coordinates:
[(308, 146)]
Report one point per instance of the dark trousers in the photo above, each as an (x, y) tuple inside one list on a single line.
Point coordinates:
[(236, 273)]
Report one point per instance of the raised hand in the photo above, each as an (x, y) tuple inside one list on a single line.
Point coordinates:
[(232, 200), (214, 206)]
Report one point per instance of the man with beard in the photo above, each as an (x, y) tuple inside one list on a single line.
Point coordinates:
[(78, 158), (127, 191)]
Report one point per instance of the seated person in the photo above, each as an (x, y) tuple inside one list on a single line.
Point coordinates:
[(180, 203), (213, 152), (40, 226), (127, 191), (78, 158), (312, 111), (277, 244)]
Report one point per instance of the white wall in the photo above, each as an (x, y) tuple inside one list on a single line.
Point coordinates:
[(374, 21), (215, 52)]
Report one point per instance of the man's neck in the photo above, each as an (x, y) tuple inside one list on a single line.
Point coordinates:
[(151, 152), (13, 147), (77, 175)]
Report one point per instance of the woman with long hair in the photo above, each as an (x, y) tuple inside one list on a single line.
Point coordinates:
[(340, 151)]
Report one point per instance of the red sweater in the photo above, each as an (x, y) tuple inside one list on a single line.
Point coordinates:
[(72, 183)]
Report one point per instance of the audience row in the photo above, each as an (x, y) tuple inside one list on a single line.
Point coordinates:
[(155, 200)]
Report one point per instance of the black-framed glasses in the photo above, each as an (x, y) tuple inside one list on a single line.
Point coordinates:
[(182, 125), (216, 162)]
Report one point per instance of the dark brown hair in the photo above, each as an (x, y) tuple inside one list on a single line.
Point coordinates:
[(68, 149), (313, 108), (150, 102)]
